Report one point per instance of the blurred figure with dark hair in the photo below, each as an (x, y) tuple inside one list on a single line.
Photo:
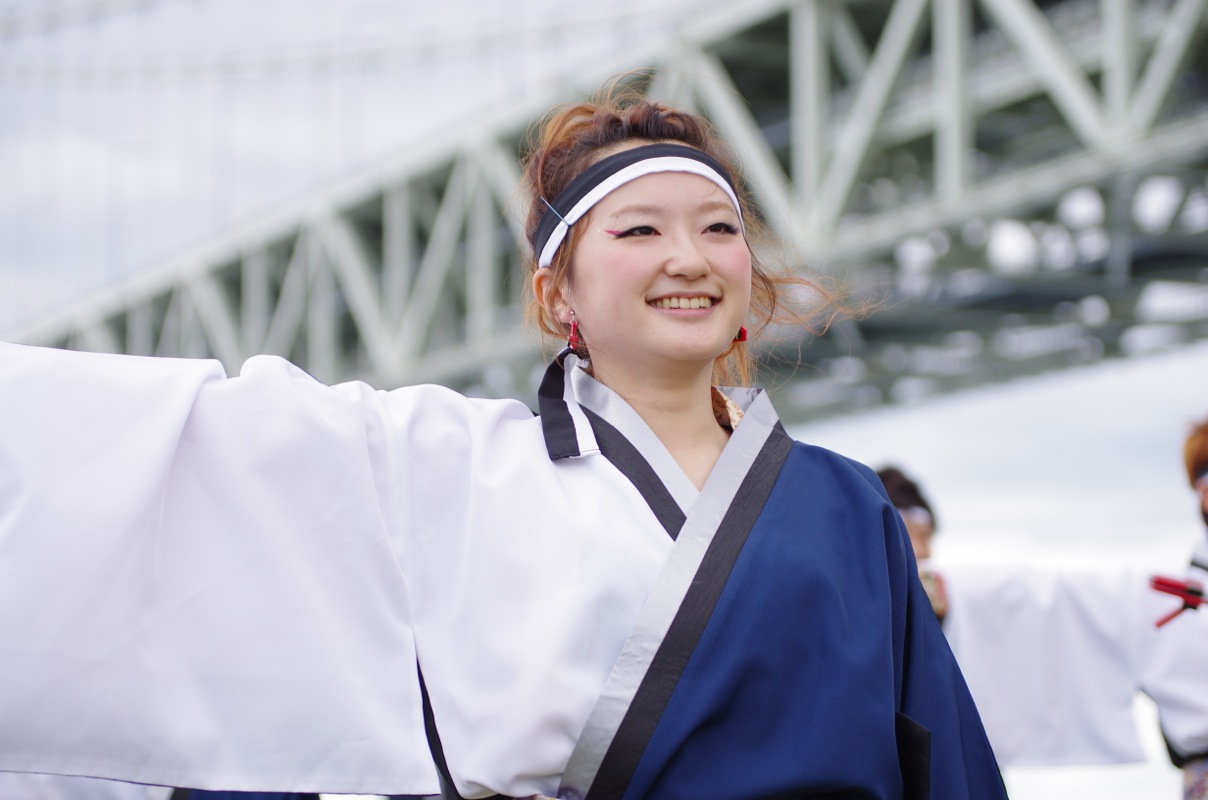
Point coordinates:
[(920, 521)]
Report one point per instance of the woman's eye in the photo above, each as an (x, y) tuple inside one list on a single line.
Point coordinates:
[(639, 230), (722, 227)]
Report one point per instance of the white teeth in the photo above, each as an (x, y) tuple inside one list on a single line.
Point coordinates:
[(683, 302)]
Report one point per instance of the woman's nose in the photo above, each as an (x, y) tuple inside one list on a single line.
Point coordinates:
[(685, 257)]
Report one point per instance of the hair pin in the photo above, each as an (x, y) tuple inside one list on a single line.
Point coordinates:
[(551, 208)]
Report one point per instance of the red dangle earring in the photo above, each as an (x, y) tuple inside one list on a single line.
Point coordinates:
[(573, 341), (741, 336)]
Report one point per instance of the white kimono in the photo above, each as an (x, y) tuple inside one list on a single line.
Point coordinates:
[(1055, 656), (227, 583), (160, 521)]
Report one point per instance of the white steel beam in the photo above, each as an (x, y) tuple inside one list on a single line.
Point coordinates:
[(953, 26), (217, 319), (809, 98), (434, 268), (725, 107), (350, 264), (1021, 190), (668, 85), (291, 302), (853, 142), (192, 337), (997, 80), (1120, 54), (398, 249), (501, 175), (255, 300), (1183, 25), (96, 336), (170, 341), (1069, 88), (322, 348), (850, 50), (480, 273), (140, 338)]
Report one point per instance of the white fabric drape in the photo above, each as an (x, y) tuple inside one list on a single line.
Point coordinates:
[(198, 581), (1055, 656), (226, 583)]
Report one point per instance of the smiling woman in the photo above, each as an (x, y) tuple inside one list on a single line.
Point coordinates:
[(659, 285), (586, 151), (644, 249), (648, 590)]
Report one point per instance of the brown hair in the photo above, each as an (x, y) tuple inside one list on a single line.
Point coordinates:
[(1195, 452), (571, 138)]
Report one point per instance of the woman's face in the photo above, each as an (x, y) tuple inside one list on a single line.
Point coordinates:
[(920, 530), (661, 276)]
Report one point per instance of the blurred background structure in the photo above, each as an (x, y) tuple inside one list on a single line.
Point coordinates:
[(1022, 185)]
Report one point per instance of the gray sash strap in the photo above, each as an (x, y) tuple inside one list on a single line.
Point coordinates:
[(758, 438)]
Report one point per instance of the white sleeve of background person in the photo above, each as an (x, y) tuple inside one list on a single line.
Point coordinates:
[(1176, 669), (1052, 659), (201, 582)]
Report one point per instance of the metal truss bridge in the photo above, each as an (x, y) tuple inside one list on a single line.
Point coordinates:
[(1019, 186)]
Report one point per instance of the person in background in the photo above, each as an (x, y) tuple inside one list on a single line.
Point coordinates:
[(1195, 461), (920, 521), (1056, 654)]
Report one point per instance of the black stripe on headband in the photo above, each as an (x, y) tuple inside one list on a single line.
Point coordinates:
[(558, 211)]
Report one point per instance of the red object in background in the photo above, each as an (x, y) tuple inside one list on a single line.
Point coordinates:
[(1190, 592)]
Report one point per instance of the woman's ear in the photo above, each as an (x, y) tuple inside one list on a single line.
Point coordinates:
[(551, 296)]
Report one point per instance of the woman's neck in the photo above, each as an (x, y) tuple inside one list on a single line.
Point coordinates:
[(679, 410)]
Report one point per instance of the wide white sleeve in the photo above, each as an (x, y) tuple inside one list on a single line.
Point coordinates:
[(1052, 658), (199, 584)]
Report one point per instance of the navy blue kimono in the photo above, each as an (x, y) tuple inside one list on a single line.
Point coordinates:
[(804, 659)]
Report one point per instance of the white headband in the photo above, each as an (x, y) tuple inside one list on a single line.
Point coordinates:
[(917, 514), (607, 175)]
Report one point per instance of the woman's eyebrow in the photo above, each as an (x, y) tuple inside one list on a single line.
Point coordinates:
[(637, 208), (708, 206)]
